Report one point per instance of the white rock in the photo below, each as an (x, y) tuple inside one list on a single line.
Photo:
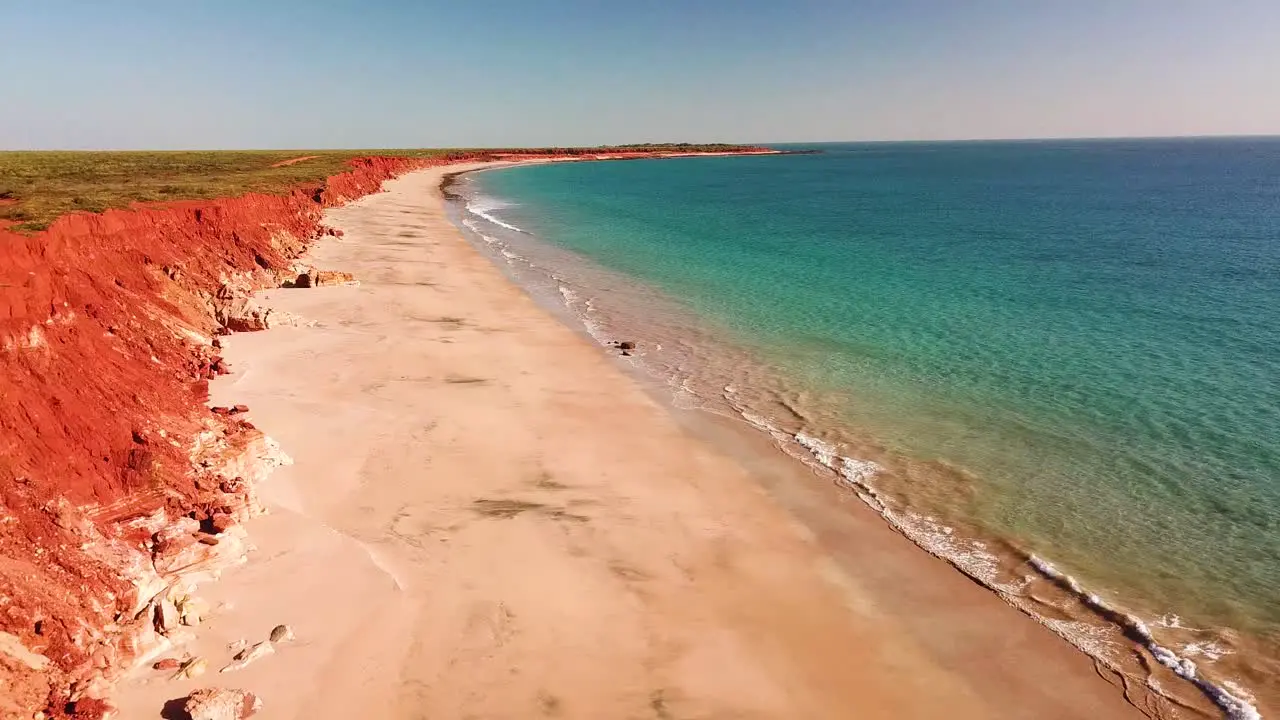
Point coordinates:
[(167, 616), (194, 610), (192, 668), (251, 655)]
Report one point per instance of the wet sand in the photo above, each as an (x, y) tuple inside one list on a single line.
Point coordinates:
[(487, 517)]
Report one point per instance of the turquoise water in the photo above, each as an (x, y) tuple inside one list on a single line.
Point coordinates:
[(1071, 345)]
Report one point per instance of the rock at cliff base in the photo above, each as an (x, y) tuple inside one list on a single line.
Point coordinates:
[(222, 704), (166, 616), (221, 522), (193, 610), (91, 709), (243, 314), (333, 277)]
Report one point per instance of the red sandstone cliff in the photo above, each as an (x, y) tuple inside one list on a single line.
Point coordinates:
[(115, 477), (116, 480)]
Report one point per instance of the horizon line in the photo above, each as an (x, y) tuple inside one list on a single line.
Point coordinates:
[(1048, 138)]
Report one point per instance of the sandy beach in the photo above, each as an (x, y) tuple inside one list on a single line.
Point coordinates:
[(488, 517)]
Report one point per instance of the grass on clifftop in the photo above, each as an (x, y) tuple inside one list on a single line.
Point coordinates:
[(38, 186)]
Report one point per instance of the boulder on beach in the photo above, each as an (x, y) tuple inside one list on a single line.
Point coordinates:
[(333, 277), (222, 704), (318, 278)]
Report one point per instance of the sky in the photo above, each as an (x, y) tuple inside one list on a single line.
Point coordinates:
[(136, 74)]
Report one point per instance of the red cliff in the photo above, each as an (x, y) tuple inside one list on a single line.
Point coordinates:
[(108, 328), (115, 477)]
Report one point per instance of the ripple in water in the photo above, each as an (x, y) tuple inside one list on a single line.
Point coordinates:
[(1011, 352)]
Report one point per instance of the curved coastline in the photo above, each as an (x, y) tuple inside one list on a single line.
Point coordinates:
[(418, 560), (1093, 626)]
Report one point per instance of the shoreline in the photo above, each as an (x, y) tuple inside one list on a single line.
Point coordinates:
[(687, 583), (1120, 640)]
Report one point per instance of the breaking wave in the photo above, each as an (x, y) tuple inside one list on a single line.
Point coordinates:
[(976, 560), (483, 207)]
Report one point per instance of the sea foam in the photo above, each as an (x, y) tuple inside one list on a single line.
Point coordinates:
[(1233, 700), (974, 559), (483, 207)]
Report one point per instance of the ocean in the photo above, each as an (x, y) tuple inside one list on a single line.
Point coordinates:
[(1055, 364)]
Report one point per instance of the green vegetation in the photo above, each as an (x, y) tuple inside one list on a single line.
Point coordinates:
[(38, 186)]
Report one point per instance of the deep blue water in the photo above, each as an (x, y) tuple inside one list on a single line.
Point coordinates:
[(1087, 332)]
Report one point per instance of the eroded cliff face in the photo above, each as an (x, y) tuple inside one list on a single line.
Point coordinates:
[(117, 482), (119, 486)]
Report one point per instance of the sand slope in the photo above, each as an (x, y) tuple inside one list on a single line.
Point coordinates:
[(487, 518)]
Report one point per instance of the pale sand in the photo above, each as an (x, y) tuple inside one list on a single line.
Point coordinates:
[(488, 518)]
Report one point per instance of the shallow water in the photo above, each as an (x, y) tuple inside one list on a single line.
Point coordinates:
[(1063, 350)]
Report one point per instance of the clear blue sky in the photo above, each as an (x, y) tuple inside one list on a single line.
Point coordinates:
[(329, 73)]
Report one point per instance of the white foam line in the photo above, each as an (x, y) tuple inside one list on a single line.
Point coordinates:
[(481, 209), (1228, 696), (972, 558), (572, 298)]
